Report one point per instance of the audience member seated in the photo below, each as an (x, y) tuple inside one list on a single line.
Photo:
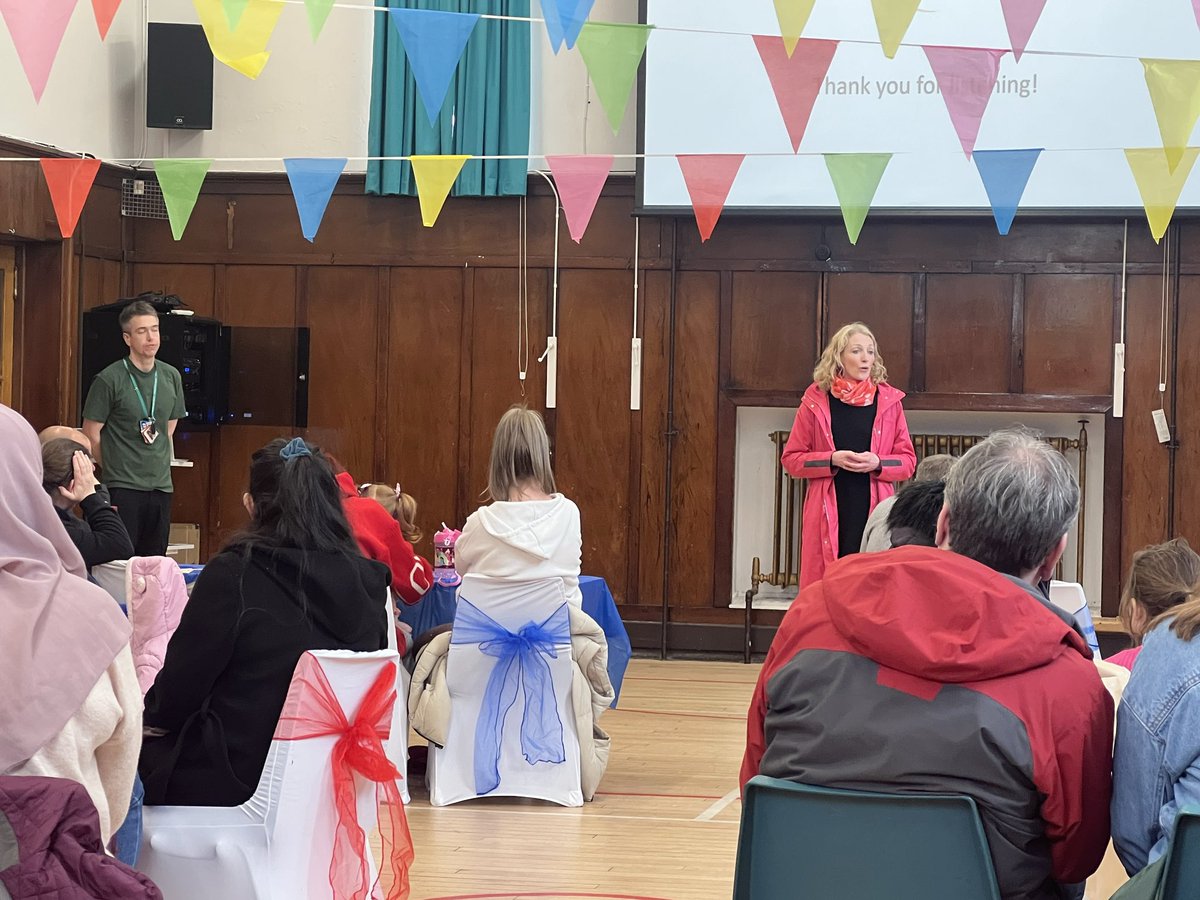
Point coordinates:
[(69, 477), (528, 530), (294, 580), (921, 670), (402, 508), (914, 514), (71, 704), (380, 538), (1156, 769), (1161, 577), (876, 535), (71, 433)]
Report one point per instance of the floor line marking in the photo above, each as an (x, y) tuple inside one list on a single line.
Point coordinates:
[(713, 811)]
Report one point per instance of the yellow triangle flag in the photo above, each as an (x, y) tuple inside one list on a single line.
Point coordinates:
[(793, 16), (244, 48), (1159, 186), (892, 18), (435, 176), (1175, 92)]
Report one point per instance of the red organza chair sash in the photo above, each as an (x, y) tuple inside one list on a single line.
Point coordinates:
[(312, 710)]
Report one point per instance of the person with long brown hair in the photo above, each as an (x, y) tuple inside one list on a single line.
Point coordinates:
[(1156, 765), (850, 439), (1161, 577)]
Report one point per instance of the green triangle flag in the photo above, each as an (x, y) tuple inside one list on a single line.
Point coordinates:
[(233, 11), (180, 180), (318, 12), (892, 18), (793, 16), (856, 177), (1174, 86), (612, 54)]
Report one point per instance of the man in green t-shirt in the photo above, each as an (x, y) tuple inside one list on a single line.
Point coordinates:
[(130, 417)]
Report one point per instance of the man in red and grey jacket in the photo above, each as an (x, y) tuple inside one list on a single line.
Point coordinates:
[(920, 670)]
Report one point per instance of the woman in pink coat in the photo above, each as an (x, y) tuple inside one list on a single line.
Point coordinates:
[(851, 441)]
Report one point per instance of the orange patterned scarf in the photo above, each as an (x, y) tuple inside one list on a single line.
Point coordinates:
[(853, 393)]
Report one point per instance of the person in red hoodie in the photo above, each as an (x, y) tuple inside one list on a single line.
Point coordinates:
[(919, 670), (380, 537)]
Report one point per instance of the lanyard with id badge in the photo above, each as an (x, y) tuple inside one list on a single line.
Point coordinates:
[(146, 424)]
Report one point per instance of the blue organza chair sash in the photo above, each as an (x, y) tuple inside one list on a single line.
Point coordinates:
[(521, 666)]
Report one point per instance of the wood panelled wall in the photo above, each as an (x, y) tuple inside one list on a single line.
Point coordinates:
[(415, 353)]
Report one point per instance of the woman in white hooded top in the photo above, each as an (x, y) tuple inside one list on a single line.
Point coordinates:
[(529, 530)]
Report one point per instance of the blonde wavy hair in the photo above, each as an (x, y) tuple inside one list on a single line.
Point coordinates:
[(831, 358), (397, 504)]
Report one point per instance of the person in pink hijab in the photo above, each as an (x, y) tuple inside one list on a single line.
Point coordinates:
[(71, 704)]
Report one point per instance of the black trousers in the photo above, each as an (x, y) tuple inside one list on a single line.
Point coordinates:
[(147, 518)]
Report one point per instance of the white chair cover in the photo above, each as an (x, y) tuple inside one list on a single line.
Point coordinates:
[(111, 577), (454, 771), (278, 844), (1070, 598), (397, 744)]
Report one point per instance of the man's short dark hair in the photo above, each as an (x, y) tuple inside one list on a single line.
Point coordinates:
[(913, 517), (1011, 498), (136, 308)]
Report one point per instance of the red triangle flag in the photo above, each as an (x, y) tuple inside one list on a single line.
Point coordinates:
[(579, 180), (796, 81), (709, 176), (104, 10), (70, 182)]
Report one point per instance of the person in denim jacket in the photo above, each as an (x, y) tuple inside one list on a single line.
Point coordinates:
[(1156, 766)]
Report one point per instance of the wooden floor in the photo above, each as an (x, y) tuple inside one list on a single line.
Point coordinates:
[(663, 826)]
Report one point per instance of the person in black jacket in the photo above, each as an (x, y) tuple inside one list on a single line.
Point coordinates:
[(293, 581), (69, 477)]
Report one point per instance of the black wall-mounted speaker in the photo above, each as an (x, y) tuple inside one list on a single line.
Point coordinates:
[(179, 77)]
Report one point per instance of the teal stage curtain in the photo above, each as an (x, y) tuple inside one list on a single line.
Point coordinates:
[(486, 112)]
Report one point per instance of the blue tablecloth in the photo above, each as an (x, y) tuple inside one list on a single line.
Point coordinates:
[(437, 608)]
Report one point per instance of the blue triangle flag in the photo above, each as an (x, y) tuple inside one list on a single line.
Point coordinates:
[(313, 181), (564, 20), (1005, 174), (434, 42)]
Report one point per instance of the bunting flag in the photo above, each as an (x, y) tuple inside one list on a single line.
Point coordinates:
[(796, 78), (612, 54), (708, 178), (37, 30), (1021, 17), (966, 78), (313, 181), (1159, 184), (243, 50), (435, 176), (1174, 86), (70, 182), (892, 18), (1005, 174), (434, 42), (564, 20), (105, 11), (1196, 10), (234, 9), (793, 16), (180, 180), (856, 177), (318, 12), (579, 180)]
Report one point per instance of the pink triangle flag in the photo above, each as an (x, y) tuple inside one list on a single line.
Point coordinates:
[(966, 78), (1021, 17), (579, 180), (104, 11), (1196, 10), (37, 31), (708, 177), (796, 80)]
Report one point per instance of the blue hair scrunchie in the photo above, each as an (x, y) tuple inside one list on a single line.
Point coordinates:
[(293, 448)]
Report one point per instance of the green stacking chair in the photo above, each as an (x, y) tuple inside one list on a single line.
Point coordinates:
[(798, 842), (1182, 878)]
